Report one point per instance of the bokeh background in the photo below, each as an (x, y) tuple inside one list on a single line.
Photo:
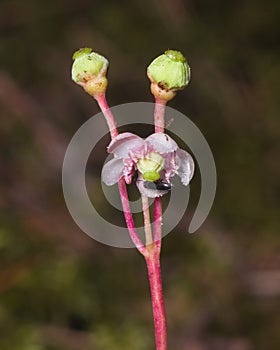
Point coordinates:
[(61, 290)]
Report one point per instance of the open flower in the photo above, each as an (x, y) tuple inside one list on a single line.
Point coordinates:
[(156, 159)]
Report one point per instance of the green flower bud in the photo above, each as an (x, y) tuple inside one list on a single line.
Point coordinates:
[(169, 71), (150, 166), (88, 65)]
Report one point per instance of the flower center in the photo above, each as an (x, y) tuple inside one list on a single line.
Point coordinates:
[(150, 166)]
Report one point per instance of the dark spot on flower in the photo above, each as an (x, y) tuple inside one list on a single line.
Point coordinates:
[(157, 185), (163, 85)]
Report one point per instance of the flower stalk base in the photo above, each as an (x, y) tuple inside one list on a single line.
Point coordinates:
[(154, 273)]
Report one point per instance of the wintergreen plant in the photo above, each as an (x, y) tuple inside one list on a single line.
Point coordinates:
[(154, 160)]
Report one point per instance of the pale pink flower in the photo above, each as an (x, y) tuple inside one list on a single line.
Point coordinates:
[(158, 154)]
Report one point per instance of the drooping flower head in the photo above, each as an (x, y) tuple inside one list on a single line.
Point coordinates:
[(155, 159)]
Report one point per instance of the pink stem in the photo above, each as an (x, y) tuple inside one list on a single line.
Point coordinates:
[(151, 252), (128, 217), (153, 265), (153, 261), (147, 220), (157, 222), (101, 100), (159, 127), (159, 115)]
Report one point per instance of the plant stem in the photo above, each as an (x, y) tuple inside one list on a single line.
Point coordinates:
[(154, 273), (159, 127), (102, 102), (153, 261), (157, 223), (159, 114), (128, 217), (147, 220), (151, 251), (110, 119)]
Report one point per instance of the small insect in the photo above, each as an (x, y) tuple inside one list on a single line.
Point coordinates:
[(157, 185)]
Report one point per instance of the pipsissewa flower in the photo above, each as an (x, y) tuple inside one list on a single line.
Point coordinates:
[(156, 159)]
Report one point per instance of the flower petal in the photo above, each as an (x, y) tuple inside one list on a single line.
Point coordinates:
[(123, 143), (185, 165), (170, 166), (112, 171), (162, 143)]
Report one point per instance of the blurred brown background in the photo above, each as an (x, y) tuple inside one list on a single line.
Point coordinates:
[(61, 290)]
